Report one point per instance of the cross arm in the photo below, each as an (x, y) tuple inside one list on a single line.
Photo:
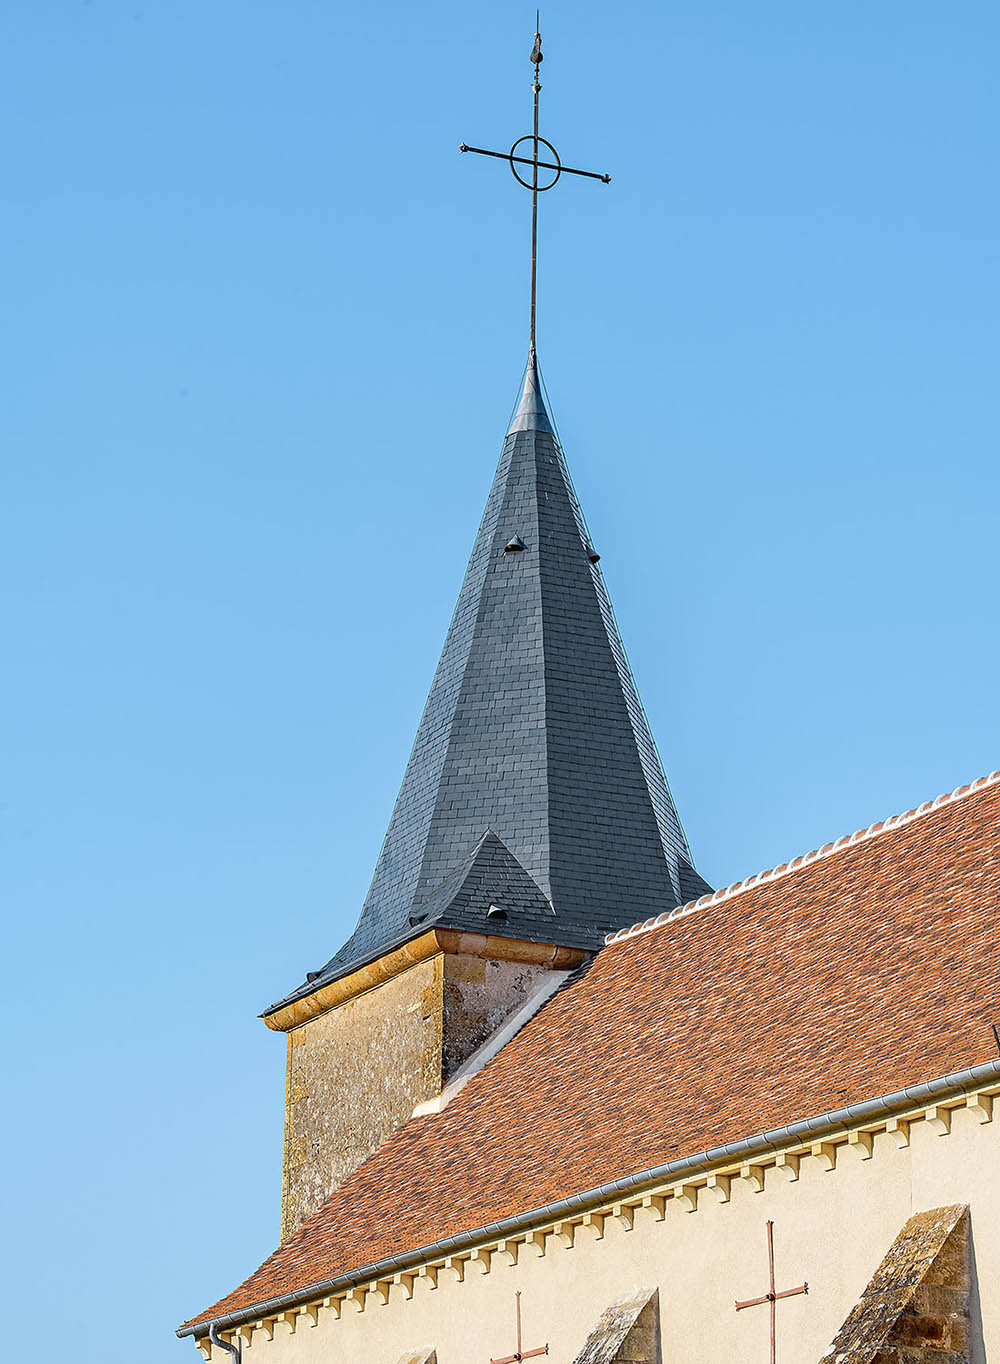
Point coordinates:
[(791, 1292), (542, 165), (750, 1302)]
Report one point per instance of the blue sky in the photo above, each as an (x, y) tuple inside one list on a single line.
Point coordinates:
[(262, 328)]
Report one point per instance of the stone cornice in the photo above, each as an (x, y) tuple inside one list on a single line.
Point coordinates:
[(436, 941)]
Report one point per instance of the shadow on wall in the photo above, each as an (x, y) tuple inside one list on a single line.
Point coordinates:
[(977, 1344)]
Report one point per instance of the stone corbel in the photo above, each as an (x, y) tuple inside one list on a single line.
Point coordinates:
[(862, 1142), (535, 1242), (428, 1274), (291, 1319), (267, 1325), (658, 1204), (312, 1311), (898, 1130), (625, 1214), (939, 1120), (405, 1282), (787, 1166), (379, 1292), (754, 1176), (825, 1154), (355, 1300), (719, 1187), (565, 1233), (981, 1105), (594, 1221), (685, 1198), (507, 1251), (204, 1348), (455, 1265), (481, 1260), (245, 1333)]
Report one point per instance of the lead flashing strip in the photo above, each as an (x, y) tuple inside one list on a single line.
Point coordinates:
[(835, 1122), (806, 859)]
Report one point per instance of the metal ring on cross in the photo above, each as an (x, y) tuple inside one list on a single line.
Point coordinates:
[(513, 164)]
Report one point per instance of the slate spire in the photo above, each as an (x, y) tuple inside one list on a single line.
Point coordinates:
[(534, 790)]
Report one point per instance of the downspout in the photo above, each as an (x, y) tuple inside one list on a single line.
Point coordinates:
[(236, 1350)]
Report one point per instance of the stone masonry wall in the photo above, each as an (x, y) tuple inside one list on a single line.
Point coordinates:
[(354, 1077), (479, 994), (356, 1073)]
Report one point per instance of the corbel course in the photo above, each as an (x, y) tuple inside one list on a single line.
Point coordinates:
[(683, 1196)]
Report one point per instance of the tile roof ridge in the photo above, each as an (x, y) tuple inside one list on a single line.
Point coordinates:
[(805, 859)]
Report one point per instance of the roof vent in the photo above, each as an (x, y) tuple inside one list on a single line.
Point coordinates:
[(313, 975), (417, 919), (514, 546), (593, 555), (495, 912)]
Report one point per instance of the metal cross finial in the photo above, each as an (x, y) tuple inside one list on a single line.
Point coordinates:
[(520, 1354), (771, 1297), (554, 165)]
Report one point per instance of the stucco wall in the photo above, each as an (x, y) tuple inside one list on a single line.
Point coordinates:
[(832, 1228), (356, 1073)]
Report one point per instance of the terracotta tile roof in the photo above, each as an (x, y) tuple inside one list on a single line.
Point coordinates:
[(867, 969)]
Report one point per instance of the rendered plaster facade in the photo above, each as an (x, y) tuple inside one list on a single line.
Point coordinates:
[(356, 1073), (837, 1208)]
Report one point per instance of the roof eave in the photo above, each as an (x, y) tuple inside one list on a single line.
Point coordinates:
[(426, 940), (851, 1116)]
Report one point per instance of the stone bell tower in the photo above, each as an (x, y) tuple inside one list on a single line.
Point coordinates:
[(534, 817)]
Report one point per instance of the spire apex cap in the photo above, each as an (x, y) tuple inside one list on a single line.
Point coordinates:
[(531, 414)]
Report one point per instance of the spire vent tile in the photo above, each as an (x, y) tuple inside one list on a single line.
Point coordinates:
[(514, 546)]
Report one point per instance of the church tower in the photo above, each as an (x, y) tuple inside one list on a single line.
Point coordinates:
[(551, 1064), (534, 818)]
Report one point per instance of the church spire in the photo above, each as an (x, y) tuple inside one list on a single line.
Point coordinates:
[(534, 806)]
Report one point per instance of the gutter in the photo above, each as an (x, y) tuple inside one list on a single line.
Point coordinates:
[(886, 1105)]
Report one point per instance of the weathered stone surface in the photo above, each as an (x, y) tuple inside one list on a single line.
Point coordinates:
[(356, 1073), (354, 1076), (915, 1310), (419, 1357), (479, 995), (627, 1333)]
